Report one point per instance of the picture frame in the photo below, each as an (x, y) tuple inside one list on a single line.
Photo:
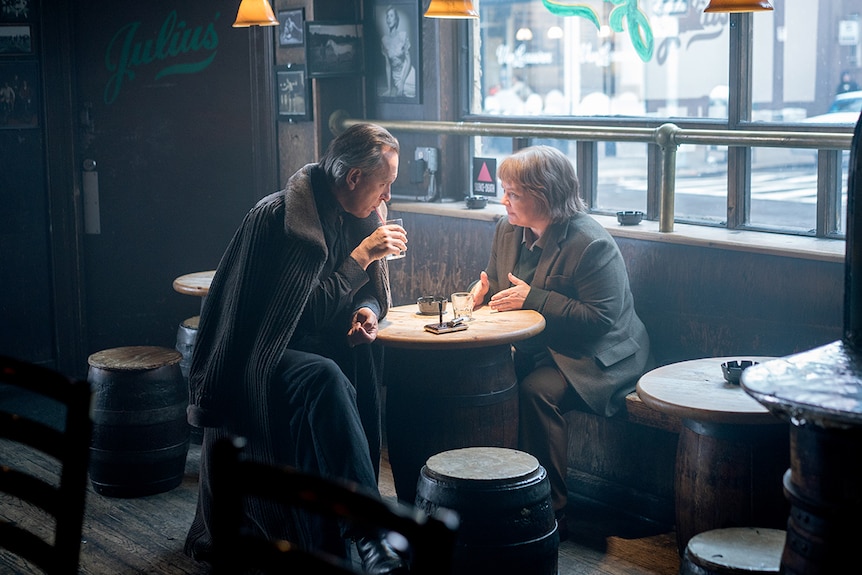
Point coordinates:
[(291, 27), (16, 40), (18, 11), (397, 56), (293, 93), (19, 94), (333, 49)]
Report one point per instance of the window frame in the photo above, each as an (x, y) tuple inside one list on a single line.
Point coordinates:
[(739, 158)]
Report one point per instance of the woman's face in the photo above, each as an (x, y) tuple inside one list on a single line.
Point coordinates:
[(522, 208)]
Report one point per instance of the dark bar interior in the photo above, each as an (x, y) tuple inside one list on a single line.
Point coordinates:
[(716, 149)]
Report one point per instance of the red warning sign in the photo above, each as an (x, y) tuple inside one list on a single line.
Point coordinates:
[(484, 177)]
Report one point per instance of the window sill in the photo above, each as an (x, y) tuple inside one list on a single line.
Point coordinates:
[(700, 236)]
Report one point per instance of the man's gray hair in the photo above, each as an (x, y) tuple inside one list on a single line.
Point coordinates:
[(360, 146)]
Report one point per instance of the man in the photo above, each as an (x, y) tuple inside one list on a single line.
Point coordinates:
[(285, 354)]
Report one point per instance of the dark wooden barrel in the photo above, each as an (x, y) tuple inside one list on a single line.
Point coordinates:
[(730, 476), (734, 551), (464, 398), (503, 499), (140, 434)]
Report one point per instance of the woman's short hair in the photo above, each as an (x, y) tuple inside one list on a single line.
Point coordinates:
[(546, 174), (359, 146)]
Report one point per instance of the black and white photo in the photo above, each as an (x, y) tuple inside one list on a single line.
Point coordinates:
[(333, 49), (291, 27), (397, 68), (15, 40), (292, 94), (19, 98)]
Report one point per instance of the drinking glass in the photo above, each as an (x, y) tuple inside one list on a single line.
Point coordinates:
[(462, 305), (399, 255)]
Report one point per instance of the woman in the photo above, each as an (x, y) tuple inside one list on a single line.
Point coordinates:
[(549, 255)]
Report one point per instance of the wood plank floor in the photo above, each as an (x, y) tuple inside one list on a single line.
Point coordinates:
[(146, 534)]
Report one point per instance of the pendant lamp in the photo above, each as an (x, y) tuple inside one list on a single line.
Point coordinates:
[(254, 13), (451, 9), (738, 6)]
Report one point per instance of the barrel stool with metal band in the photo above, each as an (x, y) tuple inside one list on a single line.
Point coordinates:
[(187, 334), (734, 551), (503, 498), (140, 433)]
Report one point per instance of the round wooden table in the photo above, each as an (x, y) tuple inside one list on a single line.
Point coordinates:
[(197, 283), (449, 391), (732, 451), (819, 392)]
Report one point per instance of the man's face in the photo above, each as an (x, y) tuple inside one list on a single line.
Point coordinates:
[(367, 189)]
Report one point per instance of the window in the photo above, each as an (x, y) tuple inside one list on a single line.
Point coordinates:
[(641, 63)]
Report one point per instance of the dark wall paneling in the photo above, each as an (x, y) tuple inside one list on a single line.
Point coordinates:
[(26, 313), (444, 255)]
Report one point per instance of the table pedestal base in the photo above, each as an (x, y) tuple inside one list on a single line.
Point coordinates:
[(729, 476), (437, 400), (823, 486)]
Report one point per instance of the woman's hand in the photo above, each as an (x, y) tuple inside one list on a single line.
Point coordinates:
[(480, 290), (511, 298), (363, 328)]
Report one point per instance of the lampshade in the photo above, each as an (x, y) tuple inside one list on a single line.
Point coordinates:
[(254, 13), (738, 6), (451, 9)]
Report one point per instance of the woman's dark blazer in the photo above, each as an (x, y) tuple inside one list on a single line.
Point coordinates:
[(581, 287)]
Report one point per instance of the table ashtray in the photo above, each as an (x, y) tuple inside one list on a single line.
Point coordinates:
[(732, 370), (476, 202), (428, 304), (630, 218)]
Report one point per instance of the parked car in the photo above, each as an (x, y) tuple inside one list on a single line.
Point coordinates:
[(845, 109)]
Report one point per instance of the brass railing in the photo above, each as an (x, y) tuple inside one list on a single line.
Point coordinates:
[(667, 136)]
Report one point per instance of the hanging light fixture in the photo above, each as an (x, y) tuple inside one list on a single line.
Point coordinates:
[(451, 9), (254, 13), (738, 6)]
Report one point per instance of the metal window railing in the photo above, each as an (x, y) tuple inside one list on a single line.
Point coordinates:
[(668, 137)]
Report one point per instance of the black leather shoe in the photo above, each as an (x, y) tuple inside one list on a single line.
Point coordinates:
[(379, 557)]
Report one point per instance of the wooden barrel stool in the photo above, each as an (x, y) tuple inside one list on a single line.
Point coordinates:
[(503, 498), (140, 433), (734, 551), (187, 334)]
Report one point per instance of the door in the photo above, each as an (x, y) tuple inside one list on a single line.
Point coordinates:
[(170, 153)]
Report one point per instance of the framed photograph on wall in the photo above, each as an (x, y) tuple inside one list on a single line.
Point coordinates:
[(17, 11), (16, 40), (291, 27), (396, 58), (293, 93), (333, 49), (19, 94)]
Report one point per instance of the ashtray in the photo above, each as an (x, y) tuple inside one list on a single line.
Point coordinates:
[(732, 370), (428, 304), (476, 202), (630, 218)]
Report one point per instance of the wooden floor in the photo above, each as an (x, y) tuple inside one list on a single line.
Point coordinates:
[(146, 534)]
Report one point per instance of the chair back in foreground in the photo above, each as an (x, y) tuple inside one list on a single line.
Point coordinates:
[(44, 455), (431, 539)]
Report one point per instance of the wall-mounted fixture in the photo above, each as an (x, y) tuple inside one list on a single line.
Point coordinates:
[(451, 9), (738, 6), (254, 13)]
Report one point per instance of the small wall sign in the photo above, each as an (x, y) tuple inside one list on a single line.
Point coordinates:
[(485, 177)]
